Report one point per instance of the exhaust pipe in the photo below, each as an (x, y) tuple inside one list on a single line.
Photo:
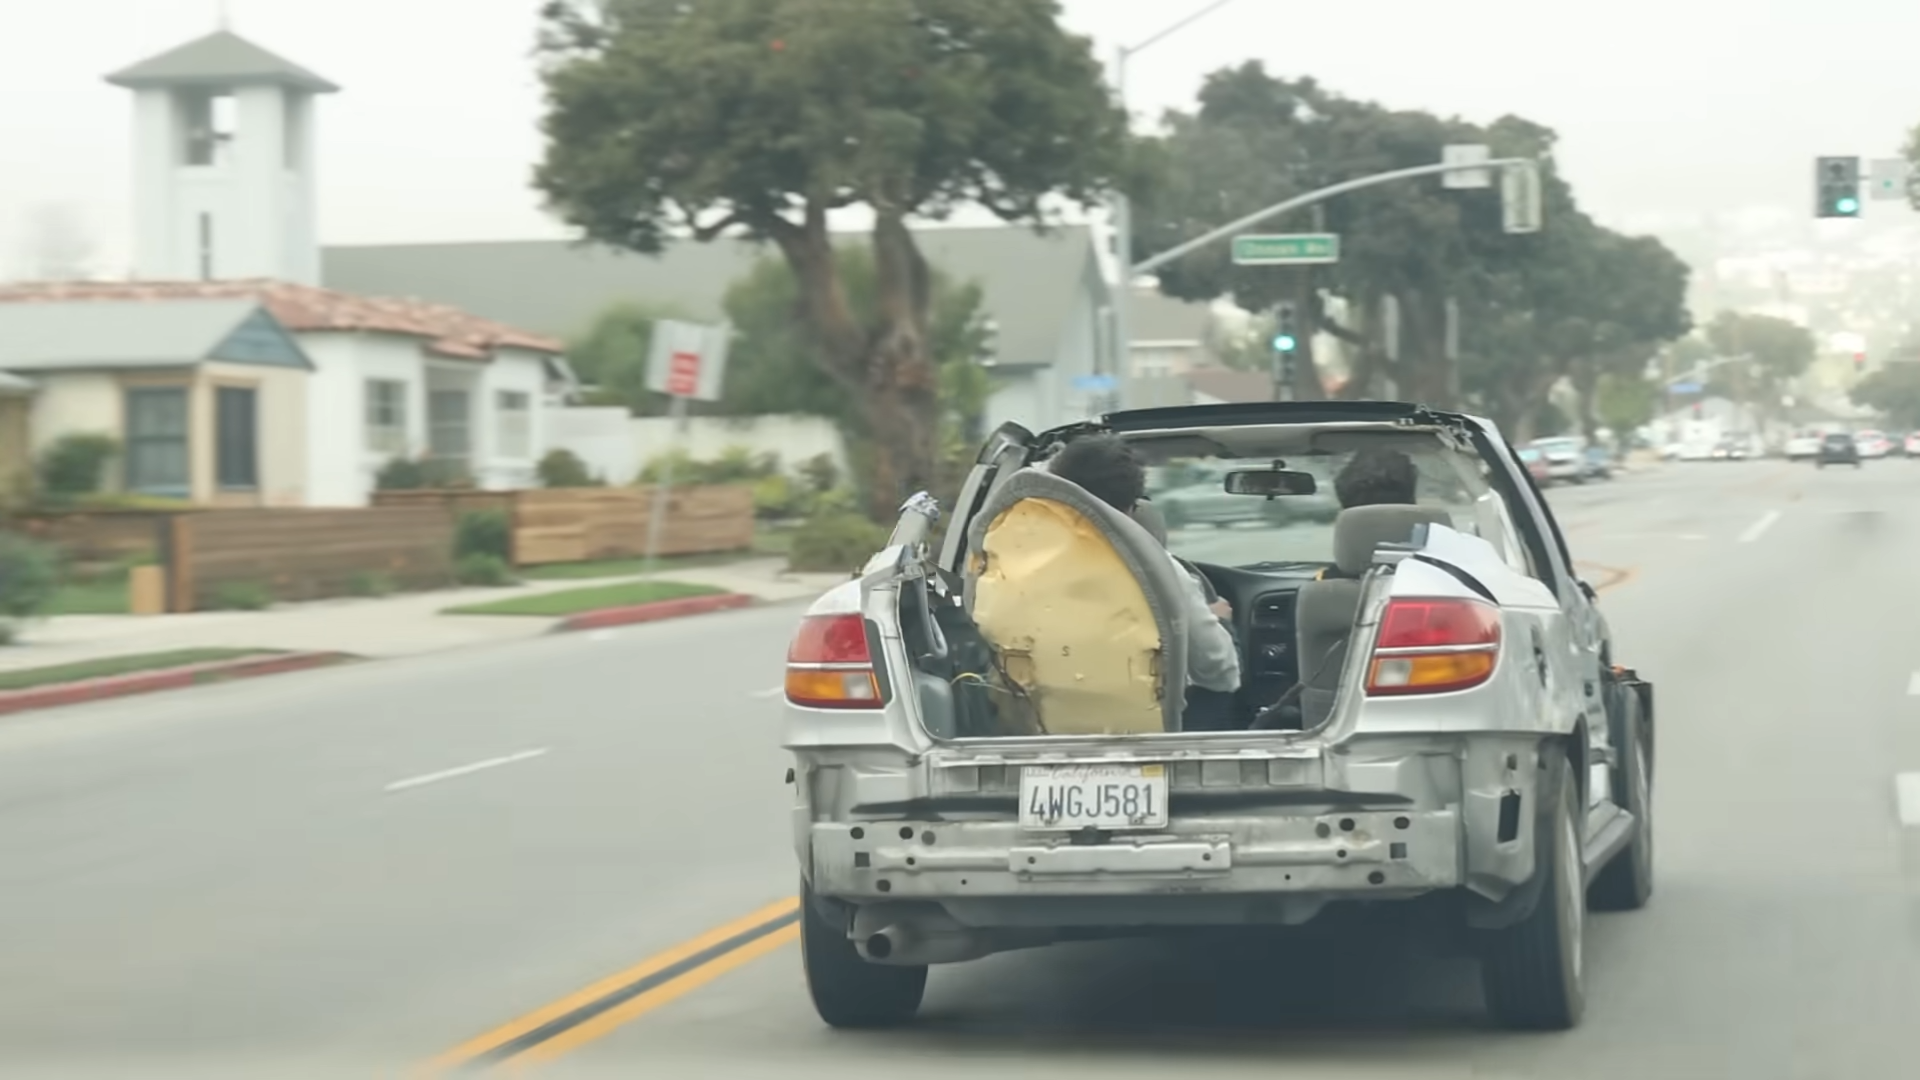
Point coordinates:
[(940, 941)]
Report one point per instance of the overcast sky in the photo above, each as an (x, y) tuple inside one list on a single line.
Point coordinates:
[(1665, 107)]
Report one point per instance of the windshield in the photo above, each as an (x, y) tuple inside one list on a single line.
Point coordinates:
[(1207, 524)]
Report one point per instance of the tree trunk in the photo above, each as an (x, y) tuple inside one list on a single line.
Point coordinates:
[(1585, 377), (1308, 384)]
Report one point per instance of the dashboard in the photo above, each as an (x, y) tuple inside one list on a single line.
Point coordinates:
[(1262, 601)]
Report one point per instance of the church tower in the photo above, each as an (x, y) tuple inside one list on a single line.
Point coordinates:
[(223, 163)]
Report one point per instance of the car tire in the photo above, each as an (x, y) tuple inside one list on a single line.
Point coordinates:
[(1626, 883), (1533, 973), (848, 990)]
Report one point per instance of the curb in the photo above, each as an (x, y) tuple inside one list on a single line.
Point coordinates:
[(602, 618), (173, 678)]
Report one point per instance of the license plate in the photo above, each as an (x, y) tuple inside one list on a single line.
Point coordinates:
[(1063, 798)]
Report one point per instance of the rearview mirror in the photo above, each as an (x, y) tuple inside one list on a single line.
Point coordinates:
[(1270, 482)]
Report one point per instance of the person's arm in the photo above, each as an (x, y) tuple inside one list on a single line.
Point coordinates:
[(1213, 660)]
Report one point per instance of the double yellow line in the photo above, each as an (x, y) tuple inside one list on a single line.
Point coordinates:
[(586, 1015)]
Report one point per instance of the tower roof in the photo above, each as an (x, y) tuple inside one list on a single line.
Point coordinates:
[(222, 58)]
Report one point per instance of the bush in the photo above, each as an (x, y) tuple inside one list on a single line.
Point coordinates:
[(820, 473), (76, 464), (480, 568), (735, 465), (370, 583), (775, 498), (563, 469), (484, 532), (835, 541), (401, 474), (242, 596), (29, 576)]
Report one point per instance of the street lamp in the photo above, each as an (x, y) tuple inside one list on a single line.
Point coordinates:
[(1121, 212)]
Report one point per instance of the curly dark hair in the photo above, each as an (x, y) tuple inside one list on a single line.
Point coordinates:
[(1376, 477), (1106, 467)]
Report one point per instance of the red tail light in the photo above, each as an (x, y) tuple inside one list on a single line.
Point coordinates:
[(829, 665), (1433, 645)]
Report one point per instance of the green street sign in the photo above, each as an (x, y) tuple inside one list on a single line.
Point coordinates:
[(1298, 249)]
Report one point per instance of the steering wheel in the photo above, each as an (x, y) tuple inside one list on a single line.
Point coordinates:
[(1206, 583)]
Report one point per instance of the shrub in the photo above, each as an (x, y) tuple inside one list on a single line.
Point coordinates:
[(835, 541), (242, 596), (29, 575), (775, 497), (484, 532), (820, 473), (480, 568), (76, 464), (562, 468), (370, 583), (401, 474), (735, 465)]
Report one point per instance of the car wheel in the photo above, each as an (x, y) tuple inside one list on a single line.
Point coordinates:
[(1534, 972), (848, 990), (1626, 883)]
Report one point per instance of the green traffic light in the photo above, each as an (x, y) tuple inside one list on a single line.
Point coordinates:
[(1283, 343), (1847, 206)]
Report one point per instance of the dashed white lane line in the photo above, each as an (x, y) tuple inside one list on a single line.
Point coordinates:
[(1913, 684), (770, 693), (463, 770), (1759, 528), (1906, 790)]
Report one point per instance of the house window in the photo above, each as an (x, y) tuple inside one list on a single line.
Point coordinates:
[(157, 441), (449, 426), (208, 122), (515, 408), (386, 416), (236, 438)]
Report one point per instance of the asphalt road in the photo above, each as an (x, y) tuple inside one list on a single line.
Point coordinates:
[(294, 876)]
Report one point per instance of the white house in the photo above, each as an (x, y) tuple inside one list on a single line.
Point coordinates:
[(224, 211)]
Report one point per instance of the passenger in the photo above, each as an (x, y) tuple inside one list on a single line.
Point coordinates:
[(1375, 478), (1108, 470)]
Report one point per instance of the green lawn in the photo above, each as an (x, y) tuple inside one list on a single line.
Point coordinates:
[(27, 678), (95, 596), (575, 601)]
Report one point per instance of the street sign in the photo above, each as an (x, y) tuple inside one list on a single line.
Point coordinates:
[(1520, 209), (1686, 388), (1296, 249), (687, 360), (1466, 154), (1095, 384), (1887, 178)]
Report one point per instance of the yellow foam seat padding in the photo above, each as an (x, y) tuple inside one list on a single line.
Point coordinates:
[(1070, 622)]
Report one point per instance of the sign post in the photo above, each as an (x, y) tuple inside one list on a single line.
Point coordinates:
[(686, 362)]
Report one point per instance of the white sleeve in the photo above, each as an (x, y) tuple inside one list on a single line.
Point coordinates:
[(1213, 662)]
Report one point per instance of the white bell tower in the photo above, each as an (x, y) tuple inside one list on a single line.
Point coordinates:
[(223, 163)]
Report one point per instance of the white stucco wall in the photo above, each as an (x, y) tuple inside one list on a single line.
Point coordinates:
[(616, 446), (80, 403), (520, 372)]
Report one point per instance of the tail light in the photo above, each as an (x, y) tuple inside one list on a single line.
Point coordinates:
[(829, 665), (1432, 645)]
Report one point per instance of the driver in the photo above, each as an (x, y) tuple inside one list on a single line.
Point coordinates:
[(1108, 470)]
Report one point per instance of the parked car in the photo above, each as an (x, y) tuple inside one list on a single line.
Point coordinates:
[(1911, 447), (1838, 448), (1873, 444), (1596, 463), (990, 752), (1563, 457), (1536, 463), (1803, 445)]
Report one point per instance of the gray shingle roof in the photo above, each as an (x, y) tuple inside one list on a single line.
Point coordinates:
[(222, 58), (122, 334), (556, 287)]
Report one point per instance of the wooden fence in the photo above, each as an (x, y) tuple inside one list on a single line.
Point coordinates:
[(296, 554), (94, 536), (556, 525)]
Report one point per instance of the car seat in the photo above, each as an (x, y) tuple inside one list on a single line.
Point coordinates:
[(1325, 610), (1083, 610)]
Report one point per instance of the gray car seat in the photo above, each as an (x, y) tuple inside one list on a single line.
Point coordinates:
[(1324, 612), (1142, 556)]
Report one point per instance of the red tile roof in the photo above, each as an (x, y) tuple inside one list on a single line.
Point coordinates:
[(447, 331)]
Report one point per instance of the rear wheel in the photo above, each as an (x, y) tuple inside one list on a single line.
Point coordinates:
[(1533, 973), (1627, 882), (848, 991)]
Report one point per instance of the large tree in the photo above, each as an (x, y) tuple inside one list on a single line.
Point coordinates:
[(1776, 351), (1893, 391), (762, 117)]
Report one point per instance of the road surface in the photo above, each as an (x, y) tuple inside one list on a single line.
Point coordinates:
[(354, 872)]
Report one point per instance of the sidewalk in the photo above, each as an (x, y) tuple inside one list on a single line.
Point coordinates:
[(393, 626)]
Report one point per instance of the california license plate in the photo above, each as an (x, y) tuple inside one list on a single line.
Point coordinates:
[(1064, 798)]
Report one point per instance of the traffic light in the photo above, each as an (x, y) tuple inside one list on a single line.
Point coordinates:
[(1859, 362), (1286, 330), (1837, 184)]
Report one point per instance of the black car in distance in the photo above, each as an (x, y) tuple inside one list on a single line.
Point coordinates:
[(1837, 448)]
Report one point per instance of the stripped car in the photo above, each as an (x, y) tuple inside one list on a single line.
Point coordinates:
[(988, 731)]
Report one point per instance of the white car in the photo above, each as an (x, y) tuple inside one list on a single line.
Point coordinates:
[(994, 747), (1564, 458), (1873, 444), (1803, 446)]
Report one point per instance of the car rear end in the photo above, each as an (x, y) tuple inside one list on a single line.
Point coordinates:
[(1803, 446), (1563, 457), (1911, 446), (941, 849), (1838, 448)]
